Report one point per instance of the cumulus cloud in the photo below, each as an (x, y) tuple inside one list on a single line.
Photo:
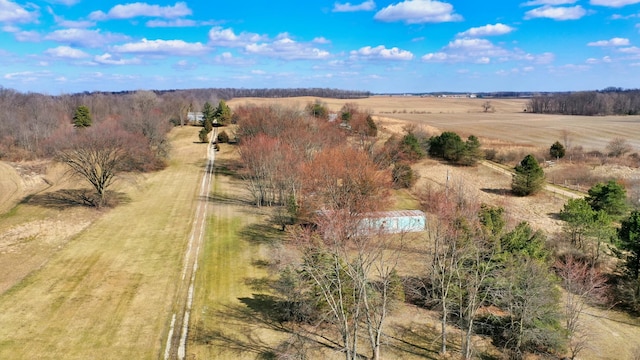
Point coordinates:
[(557, 13), (64, 2), (634, 50), (487, 30), (108, 59), (611, 42), (321, 40), (10, 12), (283, 46), (481, 51), (140, 9), (368, 5), (219, 36), (172, 23), (286, 48), (66, 52), (84, 37), (418, 12), (162, 47), (380, 52), (549, 2), (614, 3)]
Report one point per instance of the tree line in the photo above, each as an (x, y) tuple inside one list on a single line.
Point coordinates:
[(611, 101)]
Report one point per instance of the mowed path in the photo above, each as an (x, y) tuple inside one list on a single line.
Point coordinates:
[(108, 293)]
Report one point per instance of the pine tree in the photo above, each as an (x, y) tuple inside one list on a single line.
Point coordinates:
[(529, 177), (82, 117)]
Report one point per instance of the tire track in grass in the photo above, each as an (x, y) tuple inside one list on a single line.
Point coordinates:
[(177, 340)]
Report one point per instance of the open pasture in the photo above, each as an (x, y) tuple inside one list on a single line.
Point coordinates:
[(508, 124)]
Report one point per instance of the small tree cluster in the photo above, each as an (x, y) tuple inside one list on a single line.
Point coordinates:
[(449, 146), (475, 262)]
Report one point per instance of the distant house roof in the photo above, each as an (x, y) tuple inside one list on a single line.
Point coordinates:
[(195, 116)]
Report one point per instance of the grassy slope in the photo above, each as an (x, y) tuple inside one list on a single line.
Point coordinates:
[(10, 186), (105, 294)]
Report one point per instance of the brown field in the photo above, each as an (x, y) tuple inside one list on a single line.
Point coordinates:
[(508, 125), (78, 283)]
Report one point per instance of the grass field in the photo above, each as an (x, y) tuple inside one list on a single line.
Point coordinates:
[(105, 292)]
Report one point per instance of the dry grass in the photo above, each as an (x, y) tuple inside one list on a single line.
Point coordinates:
[(105, 290), (509, 124)]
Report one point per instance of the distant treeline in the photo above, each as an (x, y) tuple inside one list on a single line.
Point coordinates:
[(230, 93), (610, 101)]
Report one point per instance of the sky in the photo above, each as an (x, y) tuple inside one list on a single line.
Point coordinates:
[(67, 46)]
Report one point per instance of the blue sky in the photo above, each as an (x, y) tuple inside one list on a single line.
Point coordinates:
[(65, 46)]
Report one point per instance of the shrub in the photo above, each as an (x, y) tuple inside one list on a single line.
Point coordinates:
[(223, 137), (403, 176)]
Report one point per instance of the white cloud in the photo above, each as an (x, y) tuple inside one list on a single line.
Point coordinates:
[(487, 30), (611, 42), (10, 12), (108, 59), (184, 65), (381, 53), (368, 5), (64, 2), (634, 50), (162, 47), (418, 12), (287, 48), (27, 76), (66, 52), (172, 23), (28, 36), (140, 9), (321, 40), (283, 46), (557, 13), (84, 37), (614, 3), (226, 37), (549, 2), (481, 51)]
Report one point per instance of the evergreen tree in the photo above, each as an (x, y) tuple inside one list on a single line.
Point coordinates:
[(529, 177), (557, 151), (223, 113), (471, 153), (610, 197), (629, 243), (82, 117), (208, 114)]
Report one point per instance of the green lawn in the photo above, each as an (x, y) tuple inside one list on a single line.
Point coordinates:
[(227, 316)]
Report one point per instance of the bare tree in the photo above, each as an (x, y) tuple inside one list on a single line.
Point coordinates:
[(584, 284), (97, 155), (618, 147)]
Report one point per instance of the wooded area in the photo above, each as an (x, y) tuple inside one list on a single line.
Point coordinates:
[(610, 101)]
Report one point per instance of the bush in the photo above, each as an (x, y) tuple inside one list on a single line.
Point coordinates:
[(223, 137), (403, 176)]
